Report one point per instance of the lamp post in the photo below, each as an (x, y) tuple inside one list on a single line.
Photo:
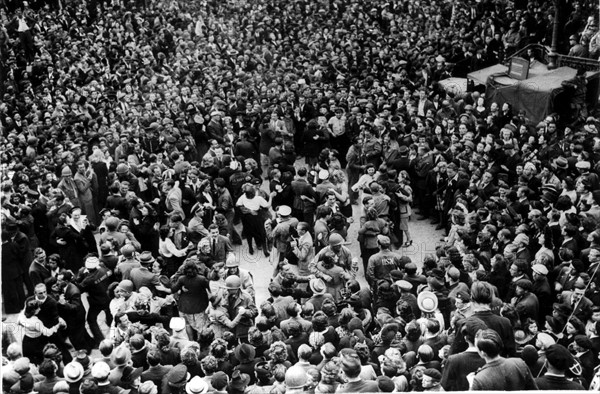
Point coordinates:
[(553, 56)]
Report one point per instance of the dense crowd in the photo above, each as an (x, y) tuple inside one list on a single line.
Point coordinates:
[(144, 142)]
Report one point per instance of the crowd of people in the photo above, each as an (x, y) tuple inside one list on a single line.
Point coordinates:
[(145, 145)]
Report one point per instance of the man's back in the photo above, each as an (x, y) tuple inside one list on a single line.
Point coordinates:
[(502, 326), (550, 382), (48, 313), (504, 374), (458, 367), (361, 386)]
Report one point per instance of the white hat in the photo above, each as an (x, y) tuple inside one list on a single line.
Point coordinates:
[(427, 301), (92, 263), (100, 370), (196, 386), (323, 174), (177, 323), (540, 269), (215, 113), (73, 372), (404, 285), (284, 210)]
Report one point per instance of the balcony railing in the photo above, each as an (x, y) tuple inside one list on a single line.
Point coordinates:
[(542, 54)]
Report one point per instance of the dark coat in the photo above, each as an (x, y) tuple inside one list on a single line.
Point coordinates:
[(156, 375), (504, 374), (38, 273), (73, 312), (457, 368), (75, 248), (548, 382)]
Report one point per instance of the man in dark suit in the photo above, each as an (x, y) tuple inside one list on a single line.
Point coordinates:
[(449, 192), (71, 309), (499, 373), (485, 187), (482, 295), (305, 197), (220, 245), (355, 384), (422, 166), (48, 314), (12, 275), (304, 112), (23, 245), (402, 163), (588, 360), (214, 128), (424, 104), (558, 360), (511, 162), (460, 365), (436, 182), (38, 270), (576, 299), (156, 372)]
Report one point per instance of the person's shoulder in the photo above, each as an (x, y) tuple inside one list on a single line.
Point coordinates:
[(370, 386), (516, 362)]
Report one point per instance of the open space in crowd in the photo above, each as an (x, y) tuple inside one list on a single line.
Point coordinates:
[(150, 149)]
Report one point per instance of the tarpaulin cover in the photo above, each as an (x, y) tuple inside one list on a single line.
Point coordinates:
[(535, 95), (455, 85)]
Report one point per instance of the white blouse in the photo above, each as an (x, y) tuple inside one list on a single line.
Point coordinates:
[(34, 328), (254, 204)]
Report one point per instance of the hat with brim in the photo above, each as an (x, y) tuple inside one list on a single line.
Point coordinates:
[(196, 386), (73, 372), (244, 353), (130, 374), (284, 210), (178, 376), (404, 285), (427, 301), (317, 286), (540, 269), (561, 162), (549, 197), (239, 381), (146, 258), (121, 356)]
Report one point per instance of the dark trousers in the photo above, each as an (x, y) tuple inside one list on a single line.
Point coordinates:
[(341, 144), (60, 340), (26, 39), (14, 295), (234, 236), (366, 255), (92, 320), (309, 217)]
